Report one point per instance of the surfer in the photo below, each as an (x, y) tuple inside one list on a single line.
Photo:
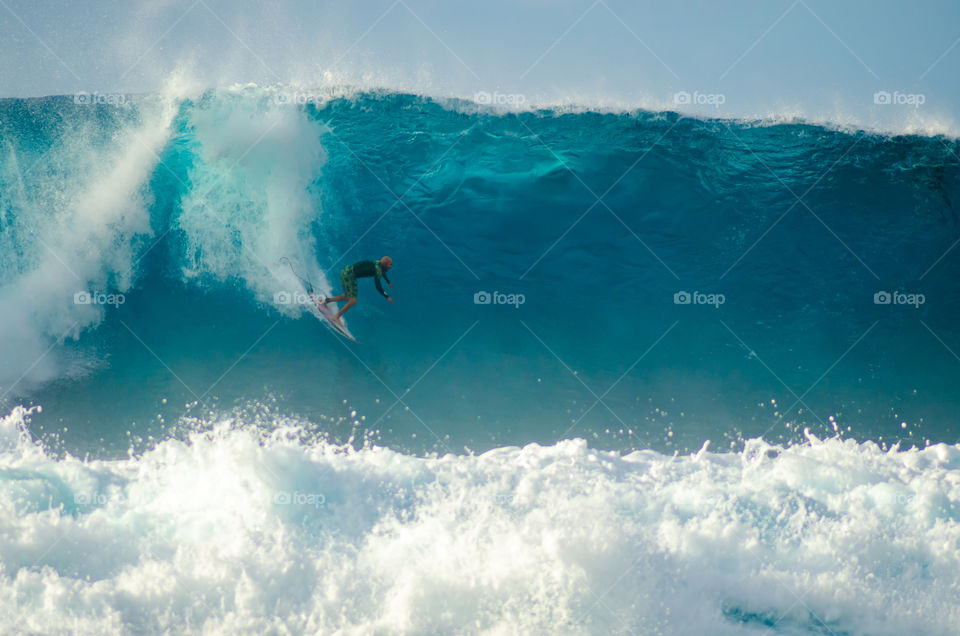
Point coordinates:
[(361, 269)]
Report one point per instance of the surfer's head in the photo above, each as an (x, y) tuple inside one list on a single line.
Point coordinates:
[(386, 263)]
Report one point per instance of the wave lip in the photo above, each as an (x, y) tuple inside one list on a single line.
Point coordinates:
[(238, 529), (869, 113)]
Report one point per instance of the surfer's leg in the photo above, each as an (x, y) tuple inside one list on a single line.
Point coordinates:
[(343, 310), (349, 280), (349, 283)]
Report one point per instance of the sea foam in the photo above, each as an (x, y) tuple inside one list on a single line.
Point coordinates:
[(244, 529)]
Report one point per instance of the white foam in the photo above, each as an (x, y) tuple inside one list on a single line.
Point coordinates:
[(78, 209), (242, 531), (249, 203), (83, 219)]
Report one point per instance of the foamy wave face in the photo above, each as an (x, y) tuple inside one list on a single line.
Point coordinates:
[(76, 213), (248, 205), (236, 530)]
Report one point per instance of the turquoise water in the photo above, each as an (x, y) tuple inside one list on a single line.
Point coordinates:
[(200, 446)]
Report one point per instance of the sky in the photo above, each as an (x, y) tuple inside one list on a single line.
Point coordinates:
[(880, 64)]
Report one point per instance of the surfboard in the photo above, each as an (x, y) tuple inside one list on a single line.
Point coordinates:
[(325, 313), (330, 315)]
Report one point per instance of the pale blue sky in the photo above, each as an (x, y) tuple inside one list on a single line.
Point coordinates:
[(819, 59)]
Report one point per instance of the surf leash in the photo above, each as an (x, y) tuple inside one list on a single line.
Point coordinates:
[(304, 281)]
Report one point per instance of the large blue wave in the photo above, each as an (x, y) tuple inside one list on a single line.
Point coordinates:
[(598, 220), (654, 281)]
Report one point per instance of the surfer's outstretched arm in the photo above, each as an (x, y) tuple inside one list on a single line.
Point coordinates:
[(376, 281)]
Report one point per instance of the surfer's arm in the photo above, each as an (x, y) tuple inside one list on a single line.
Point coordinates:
[(376, 281)]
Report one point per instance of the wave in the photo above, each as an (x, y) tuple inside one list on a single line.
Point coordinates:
[(87, 202), (182, 206), (75, 216), (911, 122), (247, 527)]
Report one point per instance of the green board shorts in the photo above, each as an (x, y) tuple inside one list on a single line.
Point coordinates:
[(349, 281)]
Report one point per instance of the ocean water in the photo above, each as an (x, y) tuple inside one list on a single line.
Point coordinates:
[(644, 373)]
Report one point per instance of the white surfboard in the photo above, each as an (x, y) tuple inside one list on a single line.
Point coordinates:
[(328, 313)]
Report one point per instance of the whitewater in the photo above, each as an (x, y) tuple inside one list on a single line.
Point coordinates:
[(295, 536), (182, 449)]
